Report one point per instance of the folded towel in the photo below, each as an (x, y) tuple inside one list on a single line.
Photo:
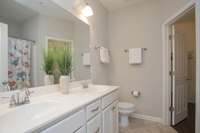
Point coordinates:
[(135, 55), (86, 59), (104, 55)]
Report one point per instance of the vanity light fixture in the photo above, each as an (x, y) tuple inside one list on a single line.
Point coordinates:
[(87, 10)]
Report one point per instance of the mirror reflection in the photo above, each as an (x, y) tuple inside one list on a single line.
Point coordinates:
[(39, 42)]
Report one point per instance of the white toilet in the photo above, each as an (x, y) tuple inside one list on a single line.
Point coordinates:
[(125, 109)]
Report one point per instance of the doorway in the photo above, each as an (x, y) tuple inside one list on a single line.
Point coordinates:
[(183, 72)]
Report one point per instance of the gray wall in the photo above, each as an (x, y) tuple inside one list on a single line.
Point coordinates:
[(81, 45), (31, 30), (132, 27), (14, 28), (98, 37), (40, 27), (140, 25)]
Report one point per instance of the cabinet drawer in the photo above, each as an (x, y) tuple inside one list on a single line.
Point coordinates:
[(94, 125), (107, 100), (70, 125), (93, 109)]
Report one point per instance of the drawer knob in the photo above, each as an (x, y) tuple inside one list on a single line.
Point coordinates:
[(113, 108), (96, 109)]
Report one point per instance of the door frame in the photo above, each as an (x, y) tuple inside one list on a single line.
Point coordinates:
[(3, 52), (167, 66)]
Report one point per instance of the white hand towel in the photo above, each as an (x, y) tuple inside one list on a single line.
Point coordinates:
[(135, 56), (86, 59), (104, 55)]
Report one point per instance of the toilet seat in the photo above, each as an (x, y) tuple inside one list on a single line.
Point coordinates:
[(126, 108), (124, 105)]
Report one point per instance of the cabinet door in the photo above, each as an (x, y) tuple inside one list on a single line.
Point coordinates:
[(115, 117), (94, 125), (110, 118)]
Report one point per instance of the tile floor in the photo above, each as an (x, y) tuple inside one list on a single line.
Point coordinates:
[(143, 126)]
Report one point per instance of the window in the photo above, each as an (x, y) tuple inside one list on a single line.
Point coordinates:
[(56, 43)]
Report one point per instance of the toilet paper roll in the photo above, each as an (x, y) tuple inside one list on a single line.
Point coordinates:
[(136, 93)]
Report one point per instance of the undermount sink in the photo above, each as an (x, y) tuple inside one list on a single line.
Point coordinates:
[(30, 112), (96, 89)]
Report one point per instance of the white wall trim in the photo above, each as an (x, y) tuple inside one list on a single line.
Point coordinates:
[(166, 52), (197, 130), (3, 52), (147, 117)]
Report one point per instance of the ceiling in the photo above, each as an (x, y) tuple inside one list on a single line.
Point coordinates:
[(48, 8), (11, 10), (20, 10), (113, 5)]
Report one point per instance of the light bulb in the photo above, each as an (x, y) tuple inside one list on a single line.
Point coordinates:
[(87, 11)]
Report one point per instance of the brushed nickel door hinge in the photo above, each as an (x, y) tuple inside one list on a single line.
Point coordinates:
[(172, 57), (171, 73), (171, 109), (170, 37)]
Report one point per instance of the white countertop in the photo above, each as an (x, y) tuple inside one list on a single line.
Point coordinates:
[(47, 115)]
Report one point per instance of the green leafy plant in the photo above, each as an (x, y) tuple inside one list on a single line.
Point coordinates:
[(64, 60), (48, 63)]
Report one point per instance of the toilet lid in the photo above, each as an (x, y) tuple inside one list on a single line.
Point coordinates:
[(125, 105)]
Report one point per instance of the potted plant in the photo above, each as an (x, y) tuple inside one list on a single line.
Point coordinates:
[(64, 61), (48, 63)]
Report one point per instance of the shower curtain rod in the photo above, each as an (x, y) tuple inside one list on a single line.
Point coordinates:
[(22, 39)]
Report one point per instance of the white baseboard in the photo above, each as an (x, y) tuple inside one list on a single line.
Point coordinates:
[(147, 117)]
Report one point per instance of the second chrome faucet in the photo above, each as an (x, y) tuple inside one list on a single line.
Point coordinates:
[(20, 98)]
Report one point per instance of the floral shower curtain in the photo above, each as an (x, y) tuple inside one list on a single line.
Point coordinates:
[(19, 63)]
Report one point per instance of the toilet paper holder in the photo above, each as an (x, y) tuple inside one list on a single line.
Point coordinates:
[(135, 93)]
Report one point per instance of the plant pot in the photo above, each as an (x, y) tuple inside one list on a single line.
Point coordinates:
[(48, 79), (64, 84)]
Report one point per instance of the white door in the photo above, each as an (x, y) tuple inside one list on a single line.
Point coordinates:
[(179, 68), (110, 118), (3, 52)]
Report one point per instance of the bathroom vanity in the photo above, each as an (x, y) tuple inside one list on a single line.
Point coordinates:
[(90, 110)]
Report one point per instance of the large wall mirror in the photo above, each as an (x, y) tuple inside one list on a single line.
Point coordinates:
[(30, 32)]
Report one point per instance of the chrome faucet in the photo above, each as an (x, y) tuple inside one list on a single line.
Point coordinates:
[(20, 98), (5, 86)]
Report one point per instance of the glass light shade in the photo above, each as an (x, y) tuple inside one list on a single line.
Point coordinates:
[(87, 11)]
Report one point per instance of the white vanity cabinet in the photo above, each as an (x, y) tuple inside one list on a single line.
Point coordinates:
[(110, 118), (100, 116), (110, 113), (72, 124), (94, 125)]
